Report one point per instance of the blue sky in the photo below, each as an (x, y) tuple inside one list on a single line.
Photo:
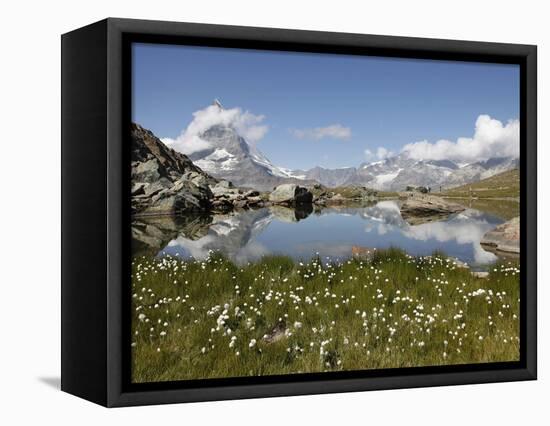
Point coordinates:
[(382, 102)]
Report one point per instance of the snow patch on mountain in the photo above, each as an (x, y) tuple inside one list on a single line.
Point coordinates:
[(384, 179), (218, 159), (292, 174)]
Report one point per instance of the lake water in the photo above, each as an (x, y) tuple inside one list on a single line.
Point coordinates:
[(331, 232)]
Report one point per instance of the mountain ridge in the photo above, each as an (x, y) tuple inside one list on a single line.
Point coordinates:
[(230, 157), (397, 172)]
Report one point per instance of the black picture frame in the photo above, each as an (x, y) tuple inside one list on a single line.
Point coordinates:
[(95, 219)]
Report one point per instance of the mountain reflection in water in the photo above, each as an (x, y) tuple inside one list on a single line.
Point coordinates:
[(247, 236)]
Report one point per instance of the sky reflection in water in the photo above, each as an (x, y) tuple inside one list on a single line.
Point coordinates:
[(250, 235)]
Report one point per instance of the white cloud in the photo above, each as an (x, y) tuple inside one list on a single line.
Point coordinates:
[(248, 125), (383, 153), (334, 131), (380, 154), (463, 229), (491, 139)]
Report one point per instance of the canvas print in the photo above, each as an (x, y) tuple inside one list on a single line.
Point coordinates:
[(302, 213)]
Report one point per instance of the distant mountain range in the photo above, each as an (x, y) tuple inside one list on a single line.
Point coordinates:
[(231, 157), (397, 172)]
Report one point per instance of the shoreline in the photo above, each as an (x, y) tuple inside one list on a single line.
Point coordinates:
[(516, 199)]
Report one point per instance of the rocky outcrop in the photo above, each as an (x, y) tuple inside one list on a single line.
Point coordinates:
[(227, 197), (421, 209), (353, 194), (163, 180), (504, 238), (290, 194), (166, 182)]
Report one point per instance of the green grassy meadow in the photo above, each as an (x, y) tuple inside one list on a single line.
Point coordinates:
[(503, 185), (212, 318)]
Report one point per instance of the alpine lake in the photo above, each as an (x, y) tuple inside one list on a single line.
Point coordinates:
[(333, 233)]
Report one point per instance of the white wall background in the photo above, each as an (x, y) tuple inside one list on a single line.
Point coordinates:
[(30, 210)]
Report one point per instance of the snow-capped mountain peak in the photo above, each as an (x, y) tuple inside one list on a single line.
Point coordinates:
[(231, 157)]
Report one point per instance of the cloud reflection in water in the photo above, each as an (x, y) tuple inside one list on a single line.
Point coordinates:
[(331, 232)]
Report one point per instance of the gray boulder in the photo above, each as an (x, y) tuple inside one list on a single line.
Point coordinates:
[(227, 197), (422, 209), (291, 194), (505, 237), (189, 198), (223, 190)]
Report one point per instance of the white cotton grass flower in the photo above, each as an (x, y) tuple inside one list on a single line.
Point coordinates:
[(252, 343)]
